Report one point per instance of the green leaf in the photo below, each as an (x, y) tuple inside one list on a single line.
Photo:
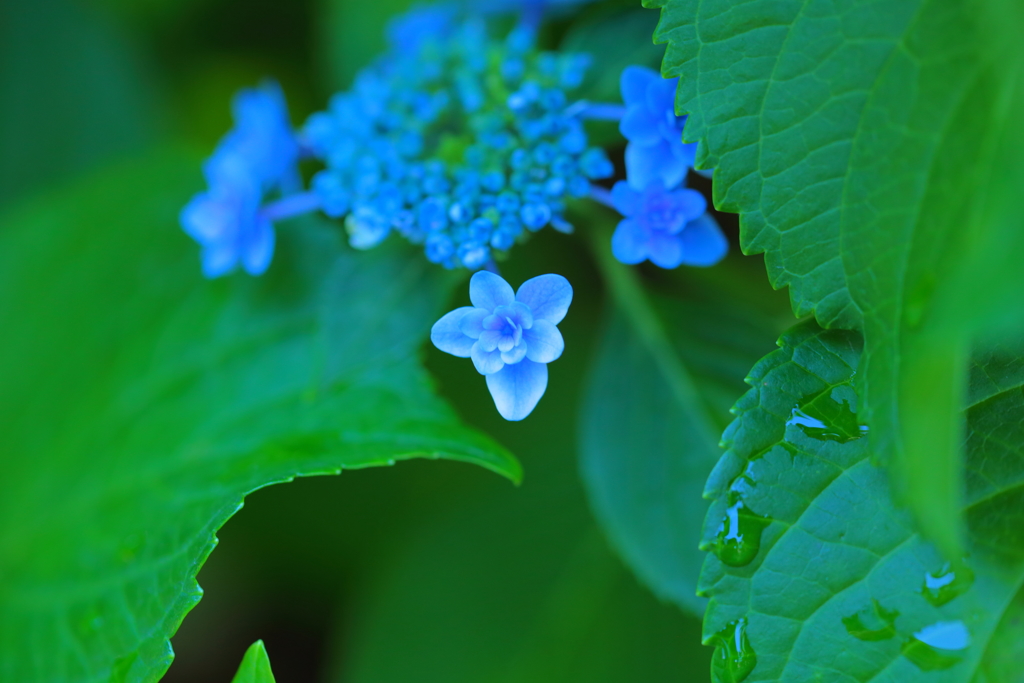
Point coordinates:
[(255, 666), (863, 144), (815, 574), (141, 403), (658, 397), (511, 586)]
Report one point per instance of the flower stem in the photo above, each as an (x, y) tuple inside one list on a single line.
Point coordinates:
[(629, 295), (601, 195), (598, 111), (293, 205)]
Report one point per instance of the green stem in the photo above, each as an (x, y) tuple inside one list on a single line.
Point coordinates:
[(631, 299)]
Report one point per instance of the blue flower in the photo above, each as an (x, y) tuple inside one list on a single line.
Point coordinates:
[(667, 227), (655, 150), (510, 337), (256, 157)]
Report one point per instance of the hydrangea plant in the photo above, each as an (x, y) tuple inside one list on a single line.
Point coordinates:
[(850, 515)]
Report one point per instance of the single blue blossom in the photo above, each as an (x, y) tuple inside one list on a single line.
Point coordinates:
[(655, 150), (511, 337), (667, 227), (257, 156)]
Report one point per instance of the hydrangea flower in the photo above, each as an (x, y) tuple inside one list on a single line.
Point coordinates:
[(655, 150), (456, 140), (511, 337), (667, 227), (256, 157)]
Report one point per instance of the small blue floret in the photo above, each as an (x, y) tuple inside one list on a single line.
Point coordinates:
[(257, 156), (667, 227), (656, 150), (511, 337)]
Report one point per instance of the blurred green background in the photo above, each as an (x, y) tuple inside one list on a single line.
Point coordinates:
[(377, 576)]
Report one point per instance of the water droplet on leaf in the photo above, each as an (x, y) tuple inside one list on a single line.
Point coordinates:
[(734, 658), (829, 416), (942, 586), (739, 536), (937, 646), (872, 623)]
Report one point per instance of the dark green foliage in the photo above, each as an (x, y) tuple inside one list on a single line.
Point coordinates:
[(142, 403)]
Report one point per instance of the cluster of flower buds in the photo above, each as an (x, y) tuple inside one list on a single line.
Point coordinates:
[(455, 140)]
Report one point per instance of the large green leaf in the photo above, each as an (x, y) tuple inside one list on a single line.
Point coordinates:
[(864, 145), (815, 574), (665, 375), (141, 403)]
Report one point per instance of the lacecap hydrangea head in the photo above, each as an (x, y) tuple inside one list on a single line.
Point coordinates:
[(257, 157), (667, 227), (655, 150), (511, 336), (457, 140)]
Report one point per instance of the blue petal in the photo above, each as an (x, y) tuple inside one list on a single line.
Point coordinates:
[(487, 290), (691, 203), (625, 199), (514, 355), (258, 246), (517, 388), (630, 242), (506, 343), (472, 323), (205, 218), (645, 164), (634, 82), (548, 297), (522, 314), (544, 342), (486, 362), (447, 335), (703, 242), (489, 340), (219, 258), (666, 250), (661, 95), (639, 125), (686, 152)]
